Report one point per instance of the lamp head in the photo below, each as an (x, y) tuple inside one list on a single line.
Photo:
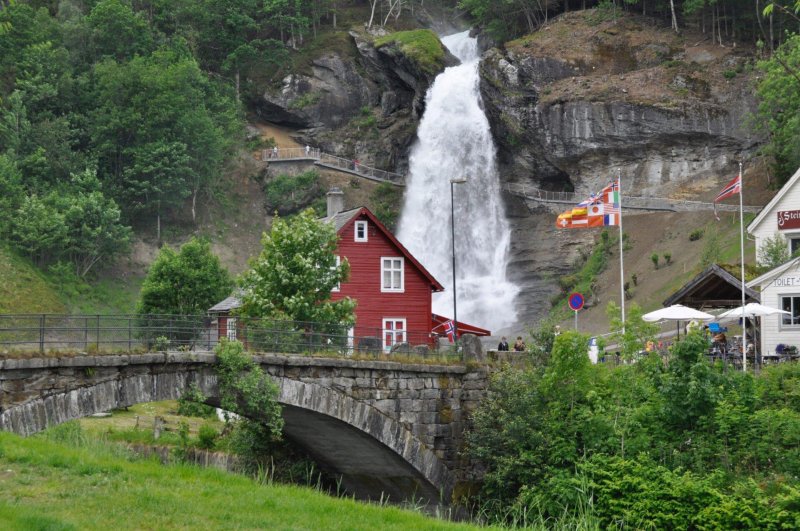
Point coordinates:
[(457, 181)]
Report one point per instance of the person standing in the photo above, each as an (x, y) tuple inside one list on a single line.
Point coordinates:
[(503, 346), (519, 345), (308, 150)]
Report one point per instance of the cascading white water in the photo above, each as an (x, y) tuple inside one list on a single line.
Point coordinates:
[(454, 142)]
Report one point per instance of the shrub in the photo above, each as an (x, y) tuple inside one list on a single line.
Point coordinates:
[(696, 235), (654, 258), (161, 343), (668, 258), (635, 279), (729, 74), (421, 46), (206, 436), (386, 200), (774, 251), (287, 194), (190, 404)]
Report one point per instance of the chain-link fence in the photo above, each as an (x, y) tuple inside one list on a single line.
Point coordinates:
[(128, 333)]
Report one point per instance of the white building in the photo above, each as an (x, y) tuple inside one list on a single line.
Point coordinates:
[(780, 288), (780, 216)]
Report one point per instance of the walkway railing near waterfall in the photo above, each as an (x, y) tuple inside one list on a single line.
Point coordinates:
[(628, 202), (327, 160)]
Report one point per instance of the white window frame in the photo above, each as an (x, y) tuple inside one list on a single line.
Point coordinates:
[(230, 331), (393, 331), (790, 238), (393, 289), (338, 286), (361, 226), (783, 324)]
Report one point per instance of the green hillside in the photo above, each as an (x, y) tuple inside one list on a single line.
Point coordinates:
[(96, 486), (23, 288)]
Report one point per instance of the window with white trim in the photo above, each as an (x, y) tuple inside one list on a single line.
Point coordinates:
[(231, 329), (394, 331), (794, 244), (361, 231), (791, 304), (337, 287), (392, 274)]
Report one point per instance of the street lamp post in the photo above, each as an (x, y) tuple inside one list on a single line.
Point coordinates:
[(453, 239)]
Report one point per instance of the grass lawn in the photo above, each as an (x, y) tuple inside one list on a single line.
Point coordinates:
[(51, 485), (23, 288)]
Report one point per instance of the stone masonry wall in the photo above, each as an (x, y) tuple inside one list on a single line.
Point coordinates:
[(432, 402)]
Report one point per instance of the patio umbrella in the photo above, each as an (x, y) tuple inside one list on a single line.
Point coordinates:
[(752, 309), (677, 312)]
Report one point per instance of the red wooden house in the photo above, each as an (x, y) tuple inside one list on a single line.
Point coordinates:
[(392, 289)]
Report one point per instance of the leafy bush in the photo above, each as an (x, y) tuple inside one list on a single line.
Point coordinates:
[(774, 251), (668, 258), (190, 404), (696, 235), (386, 202), (206, 436), (305, 100), (729, 74), (288, 194), (683, 445), (422, 46), (654, 258)]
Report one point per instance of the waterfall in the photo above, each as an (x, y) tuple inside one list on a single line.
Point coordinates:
[(454, 142)]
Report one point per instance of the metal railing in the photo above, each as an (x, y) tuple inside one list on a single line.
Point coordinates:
[(131, 333), (628, 201), (332, 161)]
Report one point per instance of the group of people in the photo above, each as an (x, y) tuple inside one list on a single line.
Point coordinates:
[(519, 345)]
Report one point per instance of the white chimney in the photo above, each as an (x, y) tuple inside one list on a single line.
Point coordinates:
[(335, 201)]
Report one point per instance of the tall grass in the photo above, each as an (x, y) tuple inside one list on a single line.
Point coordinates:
[(64, 480)]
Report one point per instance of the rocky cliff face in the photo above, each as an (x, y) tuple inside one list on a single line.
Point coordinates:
[(627, 97), (364, 104)]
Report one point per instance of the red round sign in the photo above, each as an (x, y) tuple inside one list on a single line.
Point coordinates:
[(575, 301)]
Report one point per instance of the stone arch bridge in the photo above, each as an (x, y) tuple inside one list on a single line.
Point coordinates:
[(383, 427)]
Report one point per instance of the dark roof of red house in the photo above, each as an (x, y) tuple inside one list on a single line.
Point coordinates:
[(343, 219), (234, 301)]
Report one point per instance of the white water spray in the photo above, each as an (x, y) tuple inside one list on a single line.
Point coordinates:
[(454, 142)]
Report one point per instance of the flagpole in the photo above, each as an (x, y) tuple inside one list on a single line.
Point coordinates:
[(621, 261), (741, 241)]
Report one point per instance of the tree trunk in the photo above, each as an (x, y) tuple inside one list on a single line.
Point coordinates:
[(674, 18), (194, 204), (372, 13), (237, 85)]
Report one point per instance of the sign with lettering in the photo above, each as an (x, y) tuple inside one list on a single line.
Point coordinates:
[(787, 282), (788, 219)]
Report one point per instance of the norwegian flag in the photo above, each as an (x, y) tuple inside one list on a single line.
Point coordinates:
[(450, 330), (732, 188)]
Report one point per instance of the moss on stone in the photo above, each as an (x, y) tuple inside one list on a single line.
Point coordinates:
[(421, 46)]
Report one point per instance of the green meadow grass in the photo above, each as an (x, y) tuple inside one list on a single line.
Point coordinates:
[(49, 485), (23, 288)]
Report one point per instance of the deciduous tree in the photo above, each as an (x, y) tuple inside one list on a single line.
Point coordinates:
[(186, 282), (293, 276)]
